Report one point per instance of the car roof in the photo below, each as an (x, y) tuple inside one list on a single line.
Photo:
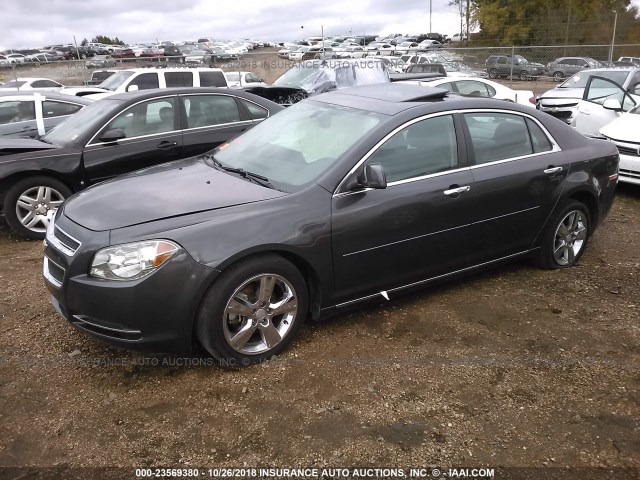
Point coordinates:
[(385, 98), (28, 94), (161, 92), (171, 69)]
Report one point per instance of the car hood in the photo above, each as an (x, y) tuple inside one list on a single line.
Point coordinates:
[(563, 93), (281, 95), (169, 190), (10, 146), (625, 128)]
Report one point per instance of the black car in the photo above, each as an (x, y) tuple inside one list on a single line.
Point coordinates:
[(357, 194), (116, 135)]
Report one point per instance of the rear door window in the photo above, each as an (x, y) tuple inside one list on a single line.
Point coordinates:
[(212, 79), (208, 110), (145, 81), (498, 136), (179, 79), (58, 109)]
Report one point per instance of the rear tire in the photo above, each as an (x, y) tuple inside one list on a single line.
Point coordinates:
[(253, 310), (524, 76), (30, 204), (565, 238)]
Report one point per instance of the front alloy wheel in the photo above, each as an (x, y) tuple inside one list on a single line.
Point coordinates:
[(31, 203), (253, 310), (259, 314)]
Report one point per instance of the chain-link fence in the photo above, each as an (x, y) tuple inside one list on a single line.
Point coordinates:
[(539, 63)]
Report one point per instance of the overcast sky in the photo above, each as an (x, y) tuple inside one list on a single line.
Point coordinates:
[(35, 23)]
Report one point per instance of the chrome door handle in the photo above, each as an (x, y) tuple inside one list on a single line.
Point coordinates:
[(552, 170), (166, 144), (457, 191)]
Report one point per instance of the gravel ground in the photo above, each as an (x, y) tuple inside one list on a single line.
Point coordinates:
[(512, 367)]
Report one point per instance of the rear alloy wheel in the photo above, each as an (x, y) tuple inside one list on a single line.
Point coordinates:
[(565, 238), (493, 73), (31, 203), (253, 310), (557, 76)]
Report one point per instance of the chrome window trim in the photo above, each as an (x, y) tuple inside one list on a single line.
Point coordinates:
[(130, 140), (89, 144), (188, 131), (381, 142)]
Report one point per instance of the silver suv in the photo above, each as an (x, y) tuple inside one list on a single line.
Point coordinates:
[(564, 67), (503, 65), (562, 101)]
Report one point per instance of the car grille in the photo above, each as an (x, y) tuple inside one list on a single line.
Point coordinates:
[(634, 152), (562, 114), (62, 241), (629, 174), (53, 272)]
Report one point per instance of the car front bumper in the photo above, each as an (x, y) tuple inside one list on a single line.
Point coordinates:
[(629, 171), (154, 314)]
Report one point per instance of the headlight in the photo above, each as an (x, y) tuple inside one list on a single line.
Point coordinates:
[(132, 260)]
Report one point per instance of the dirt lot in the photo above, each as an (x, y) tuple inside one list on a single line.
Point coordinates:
[(513, 367)]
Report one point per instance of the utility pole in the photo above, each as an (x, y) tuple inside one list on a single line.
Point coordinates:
[(613, 37), (430, 12), (566, 35)]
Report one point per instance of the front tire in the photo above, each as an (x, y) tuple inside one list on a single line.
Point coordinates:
[(253, 310), (565, 238), (30, 204), (524, 76), (493, 73), (558, 77)]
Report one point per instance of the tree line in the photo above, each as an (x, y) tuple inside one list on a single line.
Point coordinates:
[(549, 22)]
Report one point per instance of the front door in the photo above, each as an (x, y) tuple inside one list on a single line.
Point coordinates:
[(152, 136), (414, 229)]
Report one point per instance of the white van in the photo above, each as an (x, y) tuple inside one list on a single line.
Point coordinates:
[(132, 79)]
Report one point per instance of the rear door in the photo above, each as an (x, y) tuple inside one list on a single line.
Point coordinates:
[(152, 136), (518, 173), (18, 118), (210, 120)]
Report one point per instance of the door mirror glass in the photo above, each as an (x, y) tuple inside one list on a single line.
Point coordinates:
[(112, 135), (612, 104)]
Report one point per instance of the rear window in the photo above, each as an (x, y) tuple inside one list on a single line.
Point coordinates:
[(212, 79), (579, 80)]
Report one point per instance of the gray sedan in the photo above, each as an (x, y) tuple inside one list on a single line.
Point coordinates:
[(33, 114)]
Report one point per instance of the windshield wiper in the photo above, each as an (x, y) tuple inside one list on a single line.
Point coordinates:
[(259, 179)]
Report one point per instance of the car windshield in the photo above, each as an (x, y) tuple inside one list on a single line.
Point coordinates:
[(115, 80), (294, 147), (86, 120), (301, 76), (579, 80), (13, 84)]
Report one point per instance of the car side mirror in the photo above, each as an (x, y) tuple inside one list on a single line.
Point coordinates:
[(612, 104), (132, 88), (113, 135), (373, 176)]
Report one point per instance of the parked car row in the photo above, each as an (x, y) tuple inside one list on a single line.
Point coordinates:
[(354, 195)]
